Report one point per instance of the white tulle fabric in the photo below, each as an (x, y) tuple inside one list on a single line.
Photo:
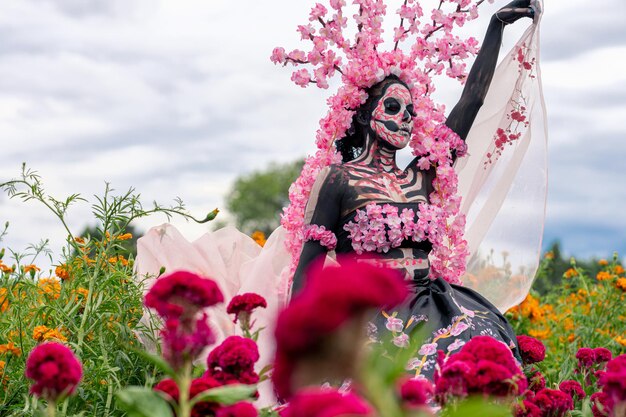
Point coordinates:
[(505, 199), (237, 264)]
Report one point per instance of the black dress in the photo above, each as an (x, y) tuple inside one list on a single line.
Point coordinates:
[(451, 314)]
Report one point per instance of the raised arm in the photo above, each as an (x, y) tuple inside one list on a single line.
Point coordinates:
[(462, 116), (321, 220)]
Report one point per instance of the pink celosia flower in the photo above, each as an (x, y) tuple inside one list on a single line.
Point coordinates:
[(527, 409), (531, 349), (600, 404), (416, 392), (586, 357), (54, 369), (307, 322), (316, 402), (553, 402), (536, 380), (613, 382), (233, 361), (573, 388), (182, 344), (483, 365), (198, 385), (168, 387), (602, 355), (244, 304), (240, 409), (203, 408), (182, 294)]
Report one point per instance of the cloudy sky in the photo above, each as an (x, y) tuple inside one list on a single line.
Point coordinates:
[(177, 98)]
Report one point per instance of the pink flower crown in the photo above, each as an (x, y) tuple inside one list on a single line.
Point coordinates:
[(361, 63)]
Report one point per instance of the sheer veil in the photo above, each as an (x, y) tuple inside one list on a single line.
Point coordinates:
[(503, 180)]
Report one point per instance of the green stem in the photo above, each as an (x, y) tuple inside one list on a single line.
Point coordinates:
[(184, 383), (51, 409)]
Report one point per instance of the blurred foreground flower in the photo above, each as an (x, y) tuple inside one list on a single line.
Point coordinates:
[(320, 335)]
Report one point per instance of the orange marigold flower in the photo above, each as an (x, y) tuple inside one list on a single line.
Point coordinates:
[(62, 272), (125, 236), (43, 333), (2, 363), (10, 348), (50, 287), (618, 270), (603, 276), (571, 337), (621, 284), (259, 237), (570, 273), (4, 268), (29, 268), (120, 259), (621, 340), (603, 262), (4, 300), (540, 333), (568, 324)]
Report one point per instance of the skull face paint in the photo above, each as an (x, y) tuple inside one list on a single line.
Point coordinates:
[(392, 119)]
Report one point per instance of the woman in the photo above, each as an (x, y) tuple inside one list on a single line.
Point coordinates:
[(365, 205)]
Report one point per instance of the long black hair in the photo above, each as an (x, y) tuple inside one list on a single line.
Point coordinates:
[(351, 145)]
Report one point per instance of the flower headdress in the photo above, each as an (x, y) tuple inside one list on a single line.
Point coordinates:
[(361, 63)]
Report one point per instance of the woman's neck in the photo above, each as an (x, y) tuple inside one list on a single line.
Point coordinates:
[(377, 153)]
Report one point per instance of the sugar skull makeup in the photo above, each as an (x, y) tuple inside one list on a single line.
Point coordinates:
[(392, 119)]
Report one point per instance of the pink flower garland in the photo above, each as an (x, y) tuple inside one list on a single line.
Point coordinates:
[(325, 237), (362, 64)]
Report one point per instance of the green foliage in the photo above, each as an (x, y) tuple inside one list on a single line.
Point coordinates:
[(583, 308), (143, 402), (256, 199), (94, 304)]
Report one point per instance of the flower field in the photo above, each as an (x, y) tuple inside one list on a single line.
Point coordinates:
[(78, 340)]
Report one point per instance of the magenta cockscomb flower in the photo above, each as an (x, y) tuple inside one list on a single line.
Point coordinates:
[(243, 305), (233, 361), (307, 327), (314, 402), (531, 349), (416, 392), (182, 344), (573, 388), (586, 357), (182, 294), (240, 409), (484, 365), (55, 371), (613, 382), (553, 402), (602, 355)]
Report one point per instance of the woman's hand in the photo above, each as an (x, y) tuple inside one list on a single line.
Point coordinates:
[(514, 11)]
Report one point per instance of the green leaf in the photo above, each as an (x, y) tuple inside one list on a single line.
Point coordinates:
[(142, 402), (157, 361), (477, 407), (226, 395)]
